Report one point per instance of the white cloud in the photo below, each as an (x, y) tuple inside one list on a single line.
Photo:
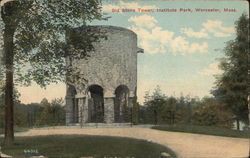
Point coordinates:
[(212, 69), (144, 20), (191, 33), (126, 5), (155, 39), (220, 34), (213, 27)]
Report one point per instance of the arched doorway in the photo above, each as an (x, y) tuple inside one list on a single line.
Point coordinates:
[(121, 104), (96, 104)]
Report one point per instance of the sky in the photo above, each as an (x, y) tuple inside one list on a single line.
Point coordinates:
[(182, 46)]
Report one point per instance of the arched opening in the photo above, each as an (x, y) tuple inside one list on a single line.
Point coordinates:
[(96, 104), (121, 104)]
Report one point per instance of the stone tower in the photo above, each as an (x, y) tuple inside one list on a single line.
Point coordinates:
[(110, 79)]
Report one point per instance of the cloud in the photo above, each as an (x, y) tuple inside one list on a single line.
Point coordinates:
[(155, 39), (213, 69), (126, 5), (191, 33), (216, 25), (220, 34), (143, 21), (213, 27)]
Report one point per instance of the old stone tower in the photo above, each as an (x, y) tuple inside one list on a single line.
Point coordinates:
[(110, 79)]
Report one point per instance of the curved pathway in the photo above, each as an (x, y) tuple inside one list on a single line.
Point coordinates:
[(183, 144)]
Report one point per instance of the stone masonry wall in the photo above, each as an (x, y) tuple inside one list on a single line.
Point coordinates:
[(112, 64), (114, 61)]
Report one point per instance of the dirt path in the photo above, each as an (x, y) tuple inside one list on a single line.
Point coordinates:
[(184, 144)]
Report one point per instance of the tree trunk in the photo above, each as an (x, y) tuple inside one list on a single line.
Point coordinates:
[(238, 124), (9, 101), (155, 117), (249, 116), (8, 14)]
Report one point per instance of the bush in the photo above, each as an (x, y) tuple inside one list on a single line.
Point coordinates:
[(211, 113)]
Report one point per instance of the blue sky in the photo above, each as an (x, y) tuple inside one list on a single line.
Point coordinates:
[(181, 49)]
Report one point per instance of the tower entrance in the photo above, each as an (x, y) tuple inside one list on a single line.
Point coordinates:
[(96, 104)]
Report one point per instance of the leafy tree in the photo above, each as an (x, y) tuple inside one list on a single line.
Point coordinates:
[(51, 113), (58, 111), (135, 111), (20, 115), (154, 105), (161, 109), (46, 114), (232, 86), (212, 113), (33, 111), (34, 45)]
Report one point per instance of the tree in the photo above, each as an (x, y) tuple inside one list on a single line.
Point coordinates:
[(58, 112), (16, 96), (1, 106), (46, 113), (161, 109), (33, 112), (212, 113), (232, 86), (154, 105), (34, 43)]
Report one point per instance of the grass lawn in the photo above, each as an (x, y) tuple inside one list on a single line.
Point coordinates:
[(208, 130), (75, 146), (17, 129)]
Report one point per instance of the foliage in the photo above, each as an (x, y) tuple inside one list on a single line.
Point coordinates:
[(212, 113), (40, 46), (153, 106), (161, 109), (37, 114), (51, 113), (86, 146), (34, 43), (232, 86), (45, 115)]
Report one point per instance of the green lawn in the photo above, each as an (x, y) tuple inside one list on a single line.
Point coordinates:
[(208, 130), (75, 146), (17, 129)]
